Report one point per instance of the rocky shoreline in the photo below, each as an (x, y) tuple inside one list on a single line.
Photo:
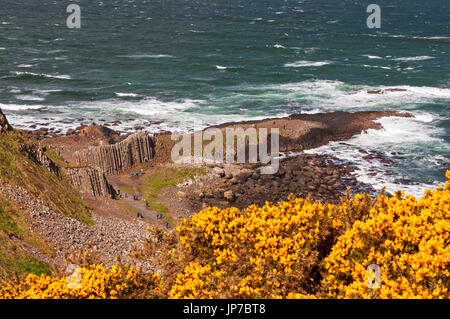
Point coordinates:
[(96, 161), (96, 152), (311, 176)]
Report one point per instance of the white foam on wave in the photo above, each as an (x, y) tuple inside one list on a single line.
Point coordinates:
[(377, 67), (325, 95), (399, 134), (219, 67), (126, 94), (29, 98), (372, 56), (25, 66), (145, 107), (417, 138), (170, 115), (279, 46), (46, 92), (51, 76), (414, 58), (300, 64), (20, 107), (432, 38)]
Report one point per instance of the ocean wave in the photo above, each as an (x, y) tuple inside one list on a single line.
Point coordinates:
[(148, 106), (20, 107), (370, 150), (171, 115), (143, 56), (372, 56), (126, 94), (219, 67), (41, 75), (29, 98), (299, 64), (377, 67), (414, 58), (326, 95), (46, 92), (432, 38)]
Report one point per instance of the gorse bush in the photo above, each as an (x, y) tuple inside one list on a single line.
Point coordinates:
[(303, 249), (94, 282), (407, 238), (260, 252), (293, 249)]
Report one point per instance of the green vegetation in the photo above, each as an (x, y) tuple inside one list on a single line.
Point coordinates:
[(13, 259), (163, 178), (54, 156), (19, 170)]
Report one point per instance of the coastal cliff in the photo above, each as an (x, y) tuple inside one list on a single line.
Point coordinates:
[(90, 181), (114, 159), (4, 125)]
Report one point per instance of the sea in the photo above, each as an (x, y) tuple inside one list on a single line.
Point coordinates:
[(171, 64)]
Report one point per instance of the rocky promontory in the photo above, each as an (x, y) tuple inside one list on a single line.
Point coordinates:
[(4, 125), (95, 162)]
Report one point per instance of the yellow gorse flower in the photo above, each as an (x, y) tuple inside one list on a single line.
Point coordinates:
[(293, 249), (95, 282), (273, 251)]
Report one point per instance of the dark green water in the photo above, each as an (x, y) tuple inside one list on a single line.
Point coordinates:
[(180, 61)]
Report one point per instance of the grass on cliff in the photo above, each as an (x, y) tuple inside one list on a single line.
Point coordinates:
[(14, 261), (19, 170), (162, 178), (51, 154)]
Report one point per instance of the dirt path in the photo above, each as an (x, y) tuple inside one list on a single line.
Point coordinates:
[(127, 182), (148, 213)]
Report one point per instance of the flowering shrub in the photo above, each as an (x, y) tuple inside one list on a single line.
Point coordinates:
[(95, 282), (260, 252), (298, 249), (293, 249), (408, 239)]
